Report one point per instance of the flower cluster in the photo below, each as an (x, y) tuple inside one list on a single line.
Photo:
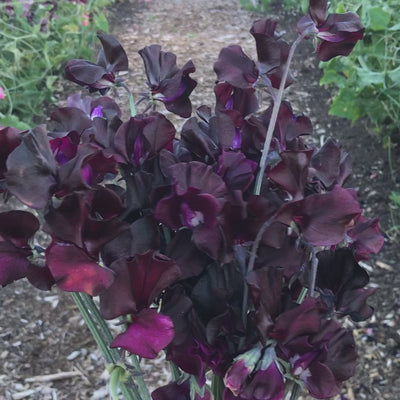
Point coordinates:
[(171, 234)]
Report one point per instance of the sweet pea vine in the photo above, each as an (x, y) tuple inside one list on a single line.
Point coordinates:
[(233, 246)]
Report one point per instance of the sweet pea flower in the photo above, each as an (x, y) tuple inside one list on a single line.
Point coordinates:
[(2, 94), (99, 76), (338, 33)]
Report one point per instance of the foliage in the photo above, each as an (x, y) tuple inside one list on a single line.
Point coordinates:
[(36, 39), (394, 206), (368, 81), (265, 5), (232, 246)]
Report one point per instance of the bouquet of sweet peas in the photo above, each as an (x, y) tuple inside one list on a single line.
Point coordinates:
[(233, 246)]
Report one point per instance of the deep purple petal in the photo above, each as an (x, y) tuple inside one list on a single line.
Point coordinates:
[(31, 169), (86, 73), (150, 274), (114, 53), (365, 237), (265, 384), (236, 170), (74, 271), (118, 300), (235, 67), (147, 334), (325, 218), (178, 391), (13, 263), (9, 140), (301, 320), (292, 172), (317, 10), (18, 227)]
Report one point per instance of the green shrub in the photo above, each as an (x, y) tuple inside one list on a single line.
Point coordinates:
[(264, 5), (34, 47), (368, 81)]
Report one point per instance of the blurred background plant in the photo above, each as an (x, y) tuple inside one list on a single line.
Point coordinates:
[(366, 84), (368, 81), (394, 207), (264, 5), (36, 39)]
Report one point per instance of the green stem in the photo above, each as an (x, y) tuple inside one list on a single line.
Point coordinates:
[(82, 301), (131, 99), (295, 392), (175, 372), (274, 116), (78, 298), (217, 387), (143, 390)]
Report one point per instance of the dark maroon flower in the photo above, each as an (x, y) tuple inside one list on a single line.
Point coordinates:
[(31, 169), (69, 119), (147, 334), (102, 107), (101, 75), (289, 126), (86, 169), (236, 68), (143, 136), (330, 164), (65, 148), (338, 33), (229, 97), (323, 219), (86, 218), (166, 81), (75, 271), (255, 377), (341, 282), (236, 170), (16, 228), (242, 367), (178, 391), (272, 52), (320, 352), (191, 209), (139, 280), (292, 172), (365, 238), (9, 140)]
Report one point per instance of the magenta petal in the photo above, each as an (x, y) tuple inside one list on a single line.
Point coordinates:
[(147, 335), (74, 271)]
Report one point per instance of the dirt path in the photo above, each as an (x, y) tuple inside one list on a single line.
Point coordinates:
[(41, 333)]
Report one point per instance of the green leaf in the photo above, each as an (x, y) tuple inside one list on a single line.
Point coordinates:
[(368, 77), (394, 75), (12, 120), (378, 19), (346, 105), (332, 77), (395, 198), (50, 81), (101, 22)]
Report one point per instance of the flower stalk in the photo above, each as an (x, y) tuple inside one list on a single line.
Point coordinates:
[(274, 116)]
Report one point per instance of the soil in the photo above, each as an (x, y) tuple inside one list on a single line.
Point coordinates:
[(42, 333)]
